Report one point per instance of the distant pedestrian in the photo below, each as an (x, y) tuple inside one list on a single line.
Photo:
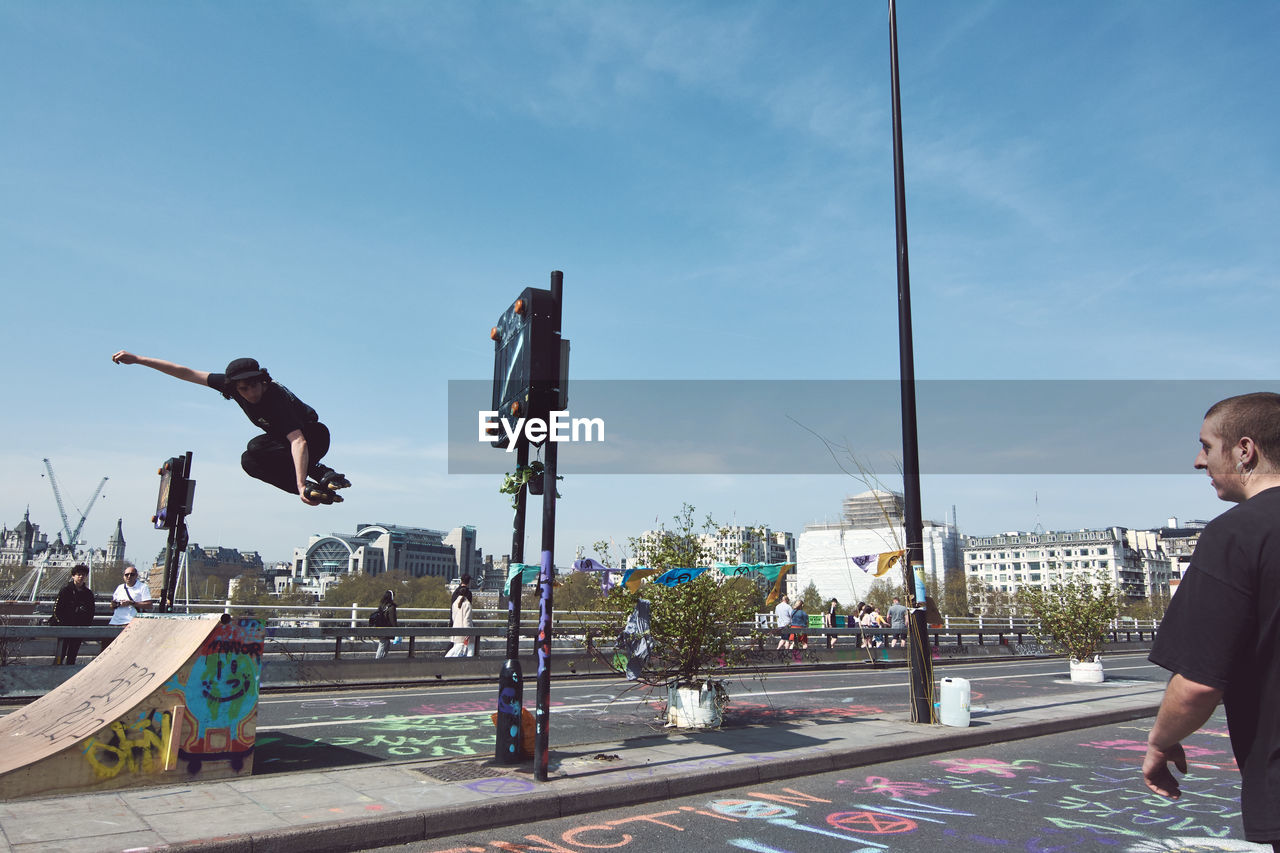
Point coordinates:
[(799, 637), (75, 607), (1232, 584), (782, 619), (130, 597), (829, 621), (871, 622), (897, 623), (859, 619), (384, 617), (460, 617), (880, 624)]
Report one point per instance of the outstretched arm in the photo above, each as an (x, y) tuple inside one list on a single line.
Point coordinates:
[(301, 462), (1187, 705), (178, 371)]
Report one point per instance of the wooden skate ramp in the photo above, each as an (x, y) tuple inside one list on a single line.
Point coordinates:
[(172, 699)]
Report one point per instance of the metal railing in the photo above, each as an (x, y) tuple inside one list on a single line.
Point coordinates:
[(357, 616), (316, 632)]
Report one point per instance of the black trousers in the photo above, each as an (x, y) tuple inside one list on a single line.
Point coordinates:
[(68, 648), (270, 460)]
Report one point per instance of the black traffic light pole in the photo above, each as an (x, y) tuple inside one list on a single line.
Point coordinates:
[(177, 474), (919, 663), (546, 576), (529, 381)]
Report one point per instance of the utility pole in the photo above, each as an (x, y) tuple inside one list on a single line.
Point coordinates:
[(919, 663)]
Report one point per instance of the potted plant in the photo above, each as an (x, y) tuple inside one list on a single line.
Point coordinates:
[(692, 627), (693, 637), (1073, 616), (530, 475)]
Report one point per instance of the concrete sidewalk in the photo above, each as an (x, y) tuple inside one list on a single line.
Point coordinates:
[(374, 805)]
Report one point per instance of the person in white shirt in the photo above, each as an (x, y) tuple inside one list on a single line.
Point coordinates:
[(130, 597), (782, 617)]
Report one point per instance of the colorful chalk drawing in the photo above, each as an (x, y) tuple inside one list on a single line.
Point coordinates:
[(881, 785), (871, 822), (994, 766), (1081, 798), (1195, 845), (792, 819), (220, 694)]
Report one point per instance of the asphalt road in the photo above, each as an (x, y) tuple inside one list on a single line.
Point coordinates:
[(312, 730), (1079, 791)]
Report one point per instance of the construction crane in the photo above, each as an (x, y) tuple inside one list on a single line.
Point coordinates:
[(73, 536)]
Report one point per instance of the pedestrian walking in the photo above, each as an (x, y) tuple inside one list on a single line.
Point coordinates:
[(1232, 584), (460, 617), (384, 617)]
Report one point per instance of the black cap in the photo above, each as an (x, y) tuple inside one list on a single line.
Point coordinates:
[(244, 368)]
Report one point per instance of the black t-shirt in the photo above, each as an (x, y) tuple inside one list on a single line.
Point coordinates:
[(278, 413), (1222, 630)]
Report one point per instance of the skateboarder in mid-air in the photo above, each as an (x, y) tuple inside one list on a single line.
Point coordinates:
[(294, 441)]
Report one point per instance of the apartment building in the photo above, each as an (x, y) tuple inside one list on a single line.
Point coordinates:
[(1131, 560)]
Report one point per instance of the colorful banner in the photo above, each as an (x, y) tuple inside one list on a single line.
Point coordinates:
[(675, 577), (589, 565), (883, 562), (775, 572), (634, 577), (528, 573)]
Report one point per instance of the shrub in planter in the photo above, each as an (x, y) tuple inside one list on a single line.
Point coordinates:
[(693, 627), (1073, 615)]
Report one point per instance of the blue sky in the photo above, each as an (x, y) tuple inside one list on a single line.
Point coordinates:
[(353, 193)]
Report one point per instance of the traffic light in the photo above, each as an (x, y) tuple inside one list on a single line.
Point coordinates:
[(526, 359), (177, 492)]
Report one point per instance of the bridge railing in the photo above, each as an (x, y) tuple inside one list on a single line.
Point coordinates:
[(35, 641)]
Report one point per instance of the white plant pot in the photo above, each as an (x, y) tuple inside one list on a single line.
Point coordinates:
[(693, 707), (1087, 671)]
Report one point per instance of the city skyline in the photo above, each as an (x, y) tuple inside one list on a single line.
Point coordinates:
[(353, 193), (268, 559)]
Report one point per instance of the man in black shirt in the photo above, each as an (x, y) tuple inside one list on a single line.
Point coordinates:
[(293, 440), (1233, 585)]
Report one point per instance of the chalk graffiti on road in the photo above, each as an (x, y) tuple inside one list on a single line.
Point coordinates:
[(1107, 800), (390, 746), (1055, 806), (993, 766)]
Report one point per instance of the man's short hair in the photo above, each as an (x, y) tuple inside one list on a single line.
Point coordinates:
[(1256, 416), (79, 569)]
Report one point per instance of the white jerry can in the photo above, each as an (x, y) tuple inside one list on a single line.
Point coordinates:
[(954, 707)]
